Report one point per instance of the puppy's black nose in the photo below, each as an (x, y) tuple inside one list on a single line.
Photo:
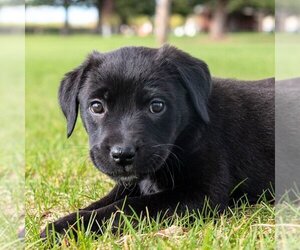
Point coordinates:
[(123, 155)]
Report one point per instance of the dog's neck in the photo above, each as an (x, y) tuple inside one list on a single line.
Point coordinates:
[(148, 186)]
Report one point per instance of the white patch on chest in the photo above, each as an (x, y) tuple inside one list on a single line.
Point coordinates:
[(148, 186)]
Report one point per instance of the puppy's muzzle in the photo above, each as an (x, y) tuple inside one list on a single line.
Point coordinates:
[(123, 155)]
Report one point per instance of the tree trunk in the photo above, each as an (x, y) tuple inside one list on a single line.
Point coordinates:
[(217, 29), (259, 20), (162, 13), (99, 22), (66, 27), (105, 10), (281, 16)]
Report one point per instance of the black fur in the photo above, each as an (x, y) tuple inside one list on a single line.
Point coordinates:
[(212, 136)]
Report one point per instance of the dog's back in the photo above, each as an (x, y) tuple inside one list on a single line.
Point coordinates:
[(242, 112), (287, 137)]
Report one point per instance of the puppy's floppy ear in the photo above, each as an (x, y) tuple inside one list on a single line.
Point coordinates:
[(69, 89), (195, 76)]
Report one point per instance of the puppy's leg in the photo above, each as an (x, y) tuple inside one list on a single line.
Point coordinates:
[(166, 203), (117, 193)]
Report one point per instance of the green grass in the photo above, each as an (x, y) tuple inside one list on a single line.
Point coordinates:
[(60, 178), (11, 139), (287, 55), (287, 220)]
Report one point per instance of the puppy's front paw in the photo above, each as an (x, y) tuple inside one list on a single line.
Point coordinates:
[(56, 230), (49, 231), (51, 236)]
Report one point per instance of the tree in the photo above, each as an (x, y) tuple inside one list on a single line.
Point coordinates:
[(98, 5), (104, 7), (186, 7), (162, 13), (65, 3), (66, 28), (105, 10), (219, 19), (283, 10), (127, 9), (221, 9), (261, 6), (10, 2)]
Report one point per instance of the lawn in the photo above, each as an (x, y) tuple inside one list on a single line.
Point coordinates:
[(11, 139), (287, 55), (60, 177)]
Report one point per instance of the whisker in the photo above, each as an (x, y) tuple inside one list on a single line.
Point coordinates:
[(168, 168), (178, 162), (168, 144)]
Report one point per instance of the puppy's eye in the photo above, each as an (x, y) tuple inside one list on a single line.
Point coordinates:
[(96, 107), (157, 106)]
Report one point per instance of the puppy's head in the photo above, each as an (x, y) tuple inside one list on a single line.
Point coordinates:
[(134, 103)]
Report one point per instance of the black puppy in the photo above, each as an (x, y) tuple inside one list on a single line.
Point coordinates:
[(167, 133)]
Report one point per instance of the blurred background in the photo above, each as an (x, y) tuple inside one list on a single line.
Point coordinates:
[(143, 18)]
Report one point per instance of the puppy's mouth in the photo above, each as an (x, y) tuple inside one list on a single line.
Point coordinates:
[(125, 179), (129, 174)]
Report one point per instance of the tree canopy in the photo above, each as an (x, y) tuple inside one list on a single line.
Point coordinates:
[(265, 5), (130, 8)]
